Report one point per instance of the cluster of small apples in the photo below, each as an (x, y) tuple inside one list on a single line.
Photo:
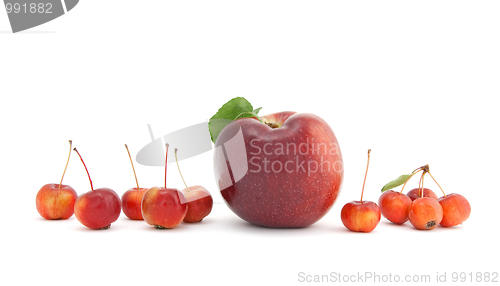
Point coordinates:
[(420, 206), (161, 207)]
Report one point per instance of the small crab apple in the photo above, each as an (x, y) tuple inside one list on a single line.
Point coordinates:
[(394, 206), (56, 201), (425, 213), (132, 198), (361, 216), (164, 207), (199, 200), (456, 209), (414, 194), (99, 208)]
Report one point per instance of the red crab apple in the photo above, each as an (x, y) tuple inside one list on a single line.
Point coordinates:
[(164, 207), (456, 209), (394, 206), (199, 200), (284, 171), (99, 208), (414, 194), (56, 201), (425, 213), (132, 198), (361, 216)]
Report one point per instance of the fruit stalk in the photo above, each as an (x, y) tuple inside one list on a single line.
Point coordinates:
[(166, 157), (177, 161), (411, 175), (69, 155), (91, 185), (366, 173), (421, 188), (131, 162), (437, 184)]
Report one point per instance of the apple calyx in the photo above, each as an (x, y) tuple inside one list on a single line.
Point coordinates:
[(67, 161), (106, 227), (132, 163), (91, 186)]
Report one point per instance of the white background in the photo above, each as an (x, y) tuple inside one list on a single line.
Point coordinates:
[(415, 81)]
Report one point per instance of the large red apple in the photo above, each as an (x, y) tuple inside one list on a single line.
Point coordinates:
[(283, 172)]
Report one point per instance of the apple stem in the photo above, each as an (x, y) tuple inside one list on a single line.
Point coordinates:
[(421, 188), (166, 157), (251, 113), (131, 162), (69, 155), (437, 184), (412, 174), (177, 161), (366, 173), (91, 186)]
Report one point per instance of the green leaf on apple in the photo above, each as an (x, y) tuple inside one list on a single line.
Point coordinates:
[(397, 182), (236, 108)]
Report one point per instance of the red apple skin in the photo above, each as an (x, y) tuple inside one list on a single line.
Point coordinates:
[(131, 203), (415, 194), (279, 198), (53, 202), (360, 216), (164, 207), (395, 206), (199, 203), (425, 213), (456, 209), (98, 209)]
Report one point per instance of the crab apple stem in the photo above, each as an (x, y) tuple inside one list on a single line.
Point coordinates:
[(166, 157), (366, 173), (437, 184), (91, 186), (421, 189), (177, 161), (412, 174), (131, 162), (69, 155), (418, 169)]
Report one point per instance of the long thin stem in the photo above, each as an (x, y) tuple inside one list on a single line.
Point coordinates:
[(421, 189), (69, 155), (412, 174), (437, 184), (131, 162), (366, 173), (177, 161), (91, 186), (166, 157)]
